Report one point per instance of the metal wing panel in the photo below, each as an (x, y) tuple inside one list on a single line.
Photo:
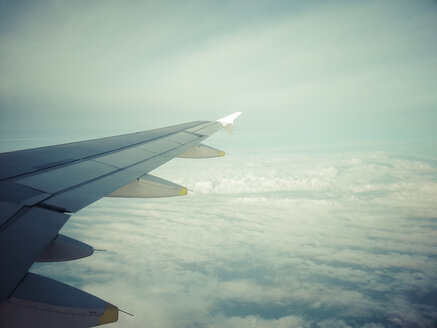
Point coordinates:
[(206, 128), (183, 137), (65, 177), (125, 157), (198, 127), (7, 210), (15, 193), (160, 145), (209, 130), (22, 239), (26, 161)]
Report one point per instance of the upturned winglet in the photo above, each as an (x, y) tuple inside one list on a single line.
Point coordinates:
[(228, 121)]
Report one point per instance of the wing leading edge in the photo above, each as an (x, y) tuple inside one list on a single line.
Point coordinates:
[(40, 187)]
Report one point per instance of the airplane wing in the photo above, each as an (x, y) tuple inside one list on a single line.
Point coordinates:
[(40, 188)]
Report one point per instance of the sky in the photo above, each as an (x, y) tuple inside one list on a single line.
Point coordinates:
[(323, 212), (307, 73)]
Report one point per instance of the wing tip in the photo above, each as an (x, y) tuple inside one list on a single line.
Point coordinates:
[(227, 122), (229, 119)]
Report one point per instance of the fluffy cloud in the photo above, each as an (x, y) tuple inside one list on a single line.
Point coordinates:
[(259, 251)]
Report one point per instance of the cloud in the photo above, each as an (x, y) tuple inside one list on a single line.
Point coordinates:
[(270, 255), (254, 321)]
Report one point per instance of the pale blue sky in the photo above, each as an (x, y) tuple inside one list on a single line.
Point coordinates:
[(303, 73), (311, 220)]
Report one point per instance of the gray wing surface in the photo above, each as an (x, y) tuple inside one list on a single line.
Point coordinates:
[(41, 187)]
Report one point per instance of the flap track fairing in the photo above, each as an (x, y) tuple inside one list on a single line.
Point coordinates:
[(150, 186), (64, 248), (42, 302), (202, 151)]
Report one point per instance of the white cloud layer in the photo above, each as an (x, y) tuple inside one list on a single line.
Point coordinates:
[(269, 240)]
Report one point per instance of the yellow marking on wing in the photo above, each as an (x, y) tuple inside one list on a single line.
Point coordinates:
[(110, 315)]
